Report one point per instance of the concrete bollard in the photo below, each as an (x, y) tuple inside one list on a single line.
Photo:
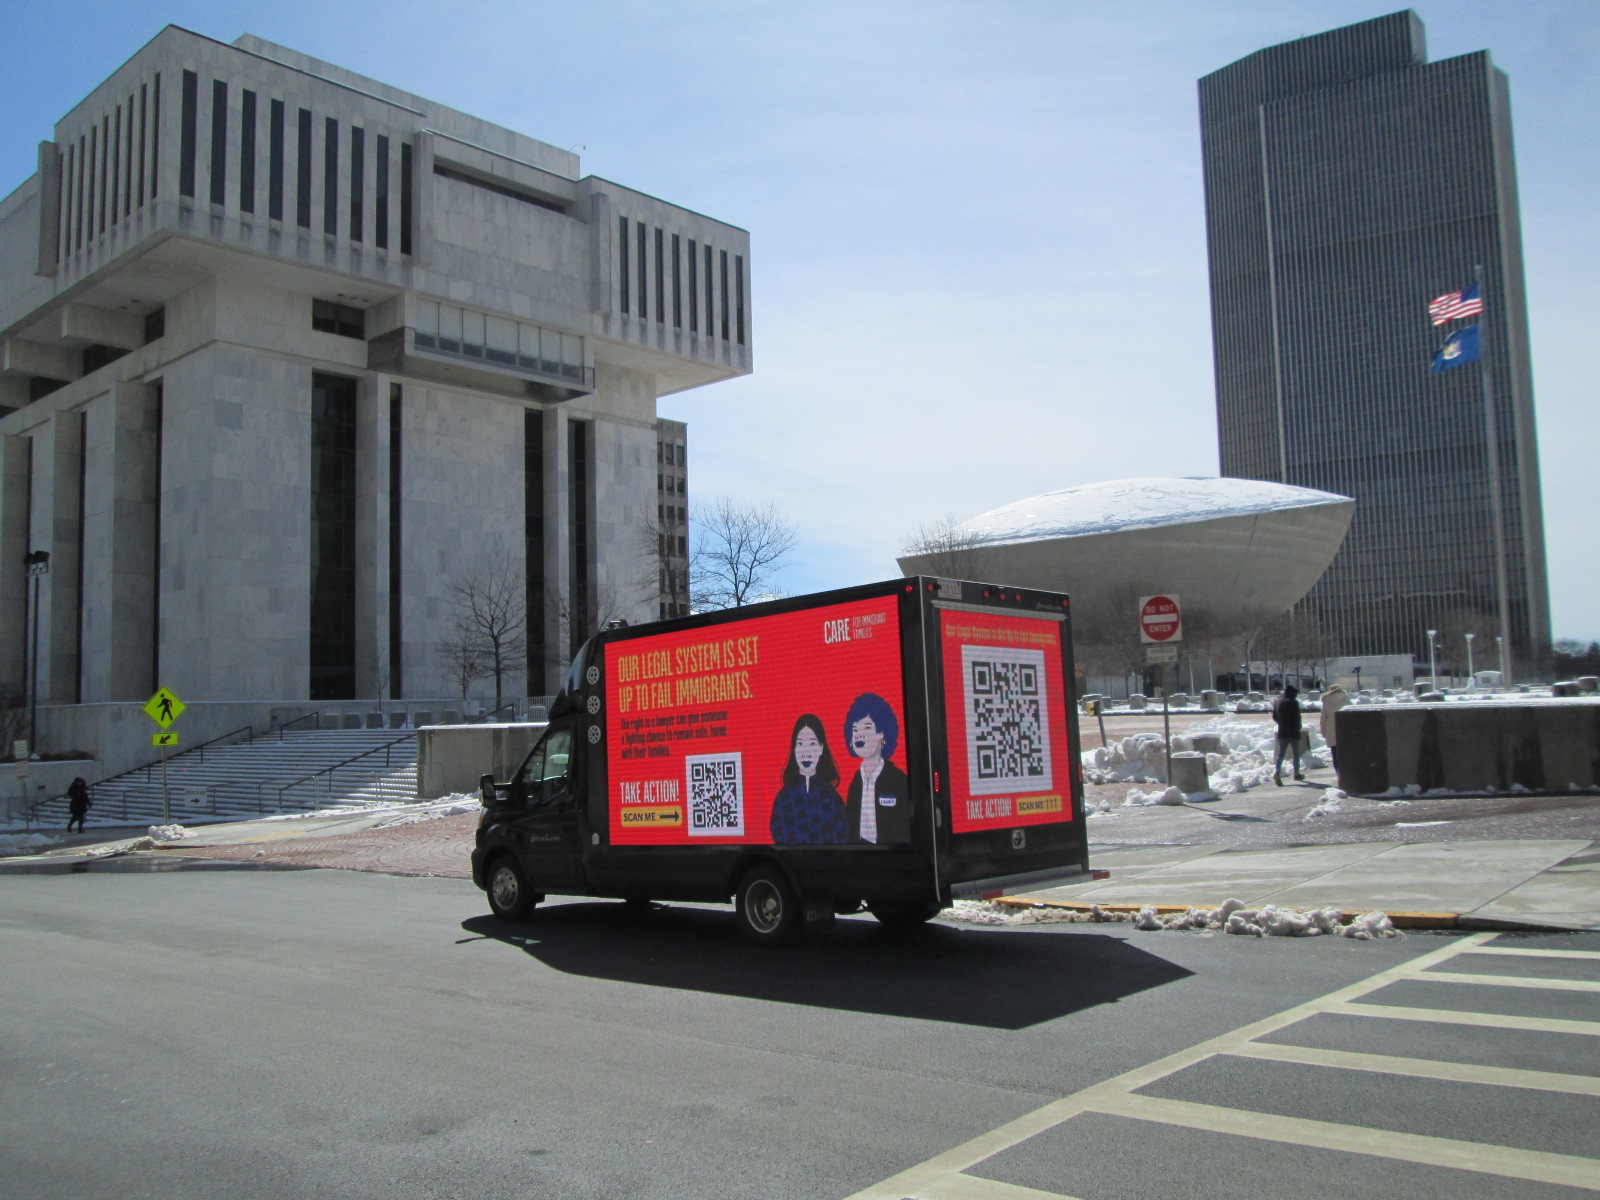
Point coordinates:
[(1431, 697), (1209, 699), (1180, 699), (1255, 698), (1589, 683), (1207, 743), (1566, 687), (1189, 772), (1136, 701)]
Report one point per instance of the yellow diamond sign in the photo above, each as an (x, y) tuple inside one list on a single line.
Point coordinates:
[(164, 708)]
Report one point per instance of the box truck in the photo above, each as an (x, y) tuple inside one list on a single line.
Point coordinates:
[(894, 746)]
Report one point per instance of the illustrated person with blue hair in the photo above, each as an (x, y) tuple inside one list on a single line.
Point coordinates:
[(878, 805), (807, 810)]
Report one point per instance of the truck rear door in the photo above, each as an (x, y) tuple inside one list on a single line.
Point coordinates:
[(1000, 668)]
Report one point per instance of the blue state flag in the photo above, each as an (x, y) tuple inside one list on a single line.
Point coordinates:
[(1460, 347)]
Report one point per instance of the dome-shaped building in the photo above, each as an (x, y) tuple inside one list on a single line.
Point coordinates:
[(1240, 550)]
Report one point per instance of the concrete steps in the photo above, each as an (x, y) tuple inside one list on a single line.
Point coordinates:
[(260, 777)]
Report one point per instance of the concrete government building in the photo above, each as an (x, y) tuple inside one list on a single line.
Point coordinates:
[(285, 350), (1348, 183)]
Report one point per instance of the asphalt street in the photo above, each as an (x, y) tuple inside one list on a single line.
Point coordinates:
[(177, 1029)]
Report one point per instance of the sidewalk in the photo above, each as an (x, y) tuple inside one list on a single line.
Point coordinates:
[(1444, 885), (1534, 882)]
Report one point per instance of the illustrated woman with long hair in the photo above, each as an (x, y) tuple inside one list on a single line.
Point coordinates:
[(808, 810)]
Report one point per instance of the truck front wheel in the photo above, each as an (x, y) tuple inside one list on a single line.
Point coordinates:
[(510, 897), (769, 909)]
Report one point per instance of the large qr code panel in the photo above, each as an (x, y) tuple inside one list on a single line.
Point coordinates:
[(1008, 720), (716, 794)]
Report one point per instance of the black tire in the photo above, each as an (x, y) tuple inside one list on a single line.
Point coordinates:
[(904, 916), (638, 905), (511, 898), (769, 908)]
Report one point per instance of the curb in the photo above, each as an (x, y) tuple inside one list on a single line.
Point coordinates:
[(1401, 920)]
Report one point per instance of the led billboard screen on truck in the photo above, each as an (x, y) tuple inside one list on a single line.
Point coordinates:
[(773, 730), (1010, 758)]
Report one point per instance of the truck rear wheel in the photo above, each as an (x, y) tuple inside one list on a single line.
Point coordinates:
[(510, 897), (769, 908), (904, 916)]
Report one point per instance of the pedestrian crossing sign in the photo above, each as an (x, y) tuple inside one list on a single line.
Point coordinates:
[(164, 708)]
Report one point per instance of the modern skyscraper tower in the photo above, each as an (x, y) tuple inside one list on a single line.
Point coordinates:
[(1349, 182)]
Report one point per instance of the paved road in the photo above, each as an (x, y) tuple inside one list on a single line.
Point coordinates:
[(237, 1031)]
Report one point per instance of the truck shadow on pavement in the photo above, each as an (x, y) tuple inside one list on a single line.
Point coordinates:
[(999, 978)]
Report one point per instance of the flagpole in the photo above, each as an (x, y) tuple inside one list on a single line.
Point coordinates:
[(1492, 448)]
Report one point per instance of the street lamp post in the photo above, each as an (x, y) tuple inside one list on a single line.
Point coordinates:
[(1433, 668), (1500, 656), (38, 563), (1472, 676)]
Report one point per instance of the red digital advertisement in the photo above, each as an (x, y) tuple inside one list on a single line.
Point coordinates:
[(782, 730), (1005, 716)]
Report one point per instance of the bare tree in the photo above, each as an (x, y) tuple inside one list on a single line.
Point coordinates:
[(737, 549), (949, 550), (663, 578), (491, 617), (459, 653)]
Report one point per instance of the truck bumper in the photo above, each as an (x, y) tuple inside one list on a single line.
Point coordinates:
[(1010, 885)]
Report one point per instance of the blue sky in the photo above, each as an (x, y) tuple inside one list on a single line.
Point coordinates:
[(978, 247)]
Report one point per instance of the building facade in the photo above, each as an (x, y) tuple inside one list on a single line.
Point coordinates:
[(288, 355), (1348, 182)]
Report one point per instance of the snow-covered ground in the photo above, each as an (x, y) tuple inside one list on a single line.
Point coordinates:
[(1245, 762), (1231, 916), (1310, 702)]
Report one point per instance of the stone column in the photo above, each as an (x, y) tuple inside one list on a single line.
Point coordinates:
[(557, 545), (13, 574), (57, 526)]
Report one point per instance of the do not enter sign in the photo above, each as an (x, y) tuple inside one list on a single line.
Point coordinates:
[(1160, 619)]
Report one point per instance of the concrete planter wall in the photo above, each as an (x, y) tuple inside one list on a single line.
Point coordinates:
[(451, 758), (1541, 745)]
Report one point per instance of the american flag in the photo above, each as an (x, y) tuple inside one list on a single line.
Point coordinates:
[(1465, 303)]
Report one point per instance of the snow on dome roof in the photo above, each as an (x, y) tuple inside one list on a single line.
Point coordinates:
[(1143, 503)]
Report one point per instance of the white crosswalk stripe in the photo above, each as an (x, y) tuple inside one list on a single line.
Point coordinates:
[(947, 1176)]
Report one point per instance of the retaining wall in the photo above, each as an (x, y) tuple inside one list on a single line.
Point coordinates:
[(452, 758), (1481, 746)]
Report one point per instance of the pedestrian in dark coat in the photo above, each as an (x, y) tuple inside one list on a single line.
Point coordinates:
[(1286, 715), (77, 802)]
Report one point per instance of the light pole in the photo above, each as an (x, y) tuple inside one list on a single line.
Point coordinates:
[(1472, 677), (38, 563), (1500, 654), (1433, 669)]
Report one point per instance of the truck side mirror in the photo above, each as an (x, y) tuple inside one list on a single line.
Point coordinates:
[(486, 791)]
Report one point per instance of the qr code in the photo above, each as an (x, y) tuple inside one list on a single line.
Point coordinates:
[(716, 794), (1008, 720)]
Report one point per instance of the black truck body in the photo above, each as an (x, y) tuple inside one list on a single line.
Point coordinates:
[(895, 745)]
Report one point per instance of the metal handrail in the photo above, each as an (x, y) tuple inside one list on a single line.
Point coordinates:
[(312, 716), (489, 716), (328, 771), (148, 768)]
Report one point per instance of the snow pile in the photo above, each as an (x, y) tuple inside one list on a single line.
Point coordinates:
[(1332, 801), (23, 843), (1171, 795), (1230, 917), (1248, 748), (170, 833), (449, 806), (1141, 758)]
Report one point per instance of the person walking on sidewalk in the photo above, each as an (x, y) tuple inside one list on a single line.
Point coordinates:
[(1286, 715), (1333, 700), (77, 802)]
